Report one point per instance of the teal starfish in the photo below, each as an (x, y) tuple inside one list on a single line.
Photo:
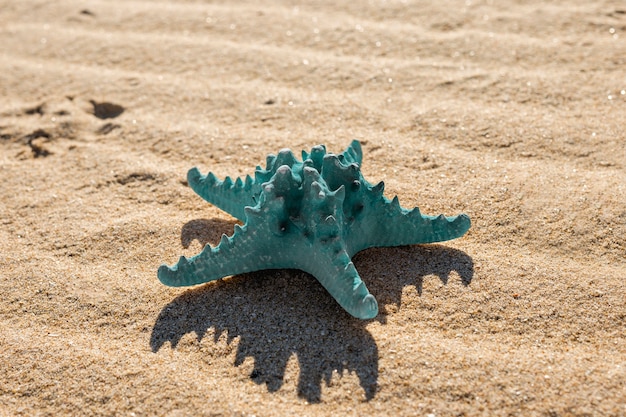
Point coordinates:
[(312, 215)]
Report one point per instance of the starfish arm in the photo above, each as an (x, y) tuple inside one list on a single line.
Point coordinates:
[(396, 226), (234, 255), (338, 275), (227, 195)]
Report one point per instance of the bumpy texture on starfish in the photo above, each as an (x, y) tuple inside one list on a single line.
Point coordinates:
[(312, 215)]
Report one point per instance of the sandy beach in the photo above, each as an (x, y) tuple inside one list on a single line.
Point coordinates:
[(512, 112)]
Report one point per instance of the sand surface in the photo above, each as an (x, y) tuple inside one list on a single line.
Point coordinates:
[(513, 112)]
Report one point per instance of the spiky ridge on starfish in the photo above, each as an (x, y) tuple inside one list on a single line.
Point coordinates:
[(312, 215)]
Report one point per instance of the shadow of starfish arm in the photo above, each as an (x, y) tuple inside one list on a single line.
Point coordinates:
[(396, 226), (227, 195), (340, 278), (234, 255)]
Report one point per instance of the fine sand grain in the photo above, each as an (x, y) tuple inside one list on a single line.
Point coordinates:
[(511, 111)]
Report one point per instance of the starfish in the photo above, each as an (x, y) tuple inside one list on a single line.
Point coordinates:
[(313, 215)]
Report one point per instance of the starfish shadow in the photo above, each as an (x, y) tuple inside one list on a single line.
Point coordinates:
[(386, 271), (276, 314), (280, 313)]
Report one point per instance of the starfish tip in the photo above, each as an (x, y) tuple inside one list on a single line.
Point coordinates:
[(193, 175), (165, 274), (368, 308), (463, 223)]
